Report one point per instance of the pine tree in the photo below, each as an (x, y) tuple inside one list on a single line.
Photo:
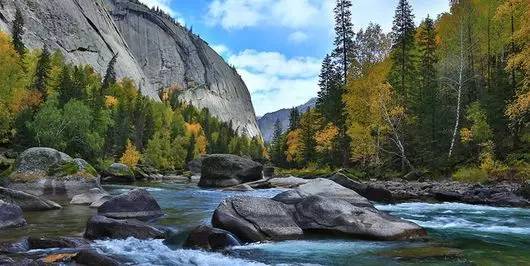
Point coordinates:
[(276, 144), (329, 101), (66, 86), (427, 74), (42, 73), (108, 80), (18, 31), (403, 71), (294, 118), (345, 50)]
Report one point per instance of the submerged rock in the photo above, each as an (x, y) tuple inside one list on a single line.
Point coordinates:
[(319, 206), (45, 171), (226, 170), (57, 242), (101, 227), (90, 257), (135, 204), (27, 201), (242, 187), (421, 253), (89, 197), (10, 216), (209, 238)]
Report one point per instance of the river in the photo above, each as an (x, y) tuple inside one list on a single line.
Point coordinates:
[(479, 235)]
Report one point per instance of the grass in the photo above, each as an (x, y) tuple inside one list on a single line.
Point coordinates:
[(471, 175), (310, 172)]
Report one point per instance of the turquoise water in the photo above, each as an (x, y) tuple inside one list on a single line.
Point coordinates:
[(477, 235)]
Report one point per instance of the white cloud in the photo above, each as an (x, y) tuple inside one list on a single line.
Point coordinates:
[(221, 49), (276, 81), (298, 37), (295, 14)]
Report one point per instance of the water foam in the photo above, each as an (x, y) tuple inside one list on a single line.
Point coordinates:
[(154, 252)]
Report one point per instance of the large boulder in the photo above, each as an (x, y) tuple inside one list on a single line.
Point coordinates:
[(10, 216), (209, 238), (87, 198), (90, 257), (46, 171), (135, 204), (195, 166), (27, 201), (101, 227), (320, 205), (226, 170), (254, 219), (119, 173)]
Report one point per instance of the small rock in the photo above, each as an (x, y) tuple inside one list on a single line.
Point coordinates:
[(27, 201), (421, 253), (287, 182), (59, 242), (5, 260), (242, 187), (101, 227), (268, 171), (100, 201), (209, 238), (119, 173), (10, 216), (136, 204), (18, 246), (93, 258), (89, 197), (58, 258)]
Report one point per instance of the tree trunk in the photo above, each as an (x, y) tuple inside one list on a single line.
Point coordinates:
[(459, 92)]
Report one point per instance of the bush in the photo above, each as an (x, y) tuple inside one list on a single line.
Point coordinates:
[(309, 172), (471, 175)]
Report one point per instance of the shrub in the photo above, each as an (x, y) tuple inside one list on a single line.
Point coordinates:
[(471, 175)]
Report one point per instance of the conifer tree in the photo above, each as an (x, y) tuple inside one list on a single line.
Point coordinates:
[(66, 86), (277, 143), (294, 118), (345, 50), (18, 31), (42, 72), (403, 70), (329, 101), (108, 80)]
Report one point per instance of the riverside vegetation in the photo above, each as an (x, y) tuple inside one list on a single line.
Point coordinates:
[(448, 98)]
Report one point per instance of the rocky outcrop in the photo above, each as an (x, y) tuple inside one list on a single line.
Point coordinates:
[(10, 216), (136, 204), (209, 238), (119, 173), (26, 201), (152, 50), (319, 206), (45, 171), (226, 170), (101, 227)]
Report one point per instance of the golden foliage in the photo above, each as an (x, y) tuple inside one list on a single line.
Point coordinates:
[(193, 129), (111, 101), (466, 135), (131, 156), (201, 144), (325, 138), (294, 146)]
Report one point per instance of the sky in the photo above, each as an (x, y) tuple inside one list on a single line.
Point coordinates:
[(277, 46)]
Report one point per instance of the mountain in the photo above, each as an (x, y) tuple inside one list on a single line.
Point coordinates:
[(152, 49), (266, 122)]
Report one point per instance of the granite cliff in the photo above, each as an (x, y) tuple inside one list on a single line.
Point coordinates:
[(152, 49)]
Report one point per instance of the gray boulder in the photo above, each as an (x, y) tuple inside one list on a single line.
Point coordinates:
[(135, 204), (194, 166), (287, 182), (101, 227), (89, 197), (10, 216), (254, 219), (26, 201), (209, 238), (90, 257), (57, 242), (320, 205), (226, 170), (45, 171), (119, 173)]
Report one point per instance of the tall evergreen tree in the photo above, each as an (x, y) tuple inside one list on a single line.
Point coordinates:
[(42, 72), (345, 50), (276, 144), (402, 75), (294, 118), (18, 31), (329, 101), (108, 81), (66, 86)]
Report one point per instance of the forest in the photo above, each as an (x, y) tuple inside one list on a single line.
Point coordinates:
[(447, 98), (49, 103)]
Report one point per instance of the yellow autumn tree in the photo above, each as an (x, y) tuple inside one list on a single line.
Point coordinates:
[(111, 101), (131, 156), (201, 142), (326, 137), (295, 146)]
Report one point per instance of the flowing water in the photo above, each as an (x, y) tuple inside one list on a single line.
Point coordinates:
[(472, 235)]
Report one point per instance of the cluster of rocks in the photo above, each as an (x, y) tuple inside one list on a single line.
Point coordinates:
[(499, 194)]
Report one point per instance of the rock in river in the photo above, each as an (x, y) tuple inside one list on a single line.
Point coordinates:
[(119, 173), (10, 216), (321, 206), (101, 227), (45, 171), (209, 238), (225, 170), (27, 201), (135, 204), (87, 198)]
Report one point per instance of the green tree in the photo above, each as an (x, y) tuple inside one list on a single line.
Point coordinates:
[(18, 31), (345, 49), (42, 73), (294, 118)]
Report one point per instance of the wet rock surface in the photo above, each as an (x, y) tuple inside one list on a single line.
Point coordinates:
[(209, 238), (27, 201), (101, 227), (135, 204), (11, 216), (226, 170)]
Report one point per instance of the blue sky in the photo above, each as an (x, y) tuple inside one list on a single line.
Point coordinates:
[(277, 45)]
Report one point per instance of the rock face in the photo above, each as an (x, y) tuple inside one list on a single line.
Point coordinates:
[(225, 170), (136, 204), (208, 238), (10, 216), (101, 227), (153, 50), (319, 206), (27, 202), (45, 171)]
